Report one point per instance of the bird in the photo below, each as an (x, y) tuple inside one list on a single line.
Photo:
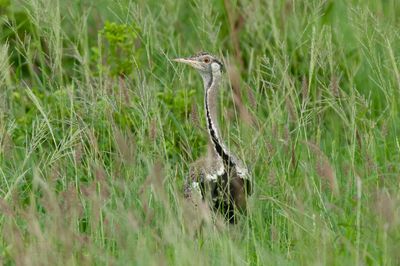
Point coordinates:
[(219, 178)]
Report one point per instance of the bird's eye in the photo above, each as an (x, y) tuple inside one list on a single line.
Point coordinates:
[(206, 60)]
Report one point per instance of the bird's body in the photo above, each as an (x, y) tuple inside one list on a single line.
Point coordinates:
[(219, 178)]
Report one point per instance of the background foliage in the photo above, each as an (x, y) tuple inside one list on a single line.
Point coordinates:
[(98, 128)]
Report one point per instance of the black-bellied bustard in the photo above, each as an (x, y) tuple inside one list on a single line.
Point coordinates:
[(219, 178)]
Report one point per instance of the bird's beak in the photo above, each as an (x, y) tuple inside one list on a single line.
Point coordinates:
[(190, 62)]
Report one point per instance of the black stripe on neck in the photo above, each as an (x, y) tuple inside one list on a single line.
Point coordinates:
[(225, 157), (209, 84)]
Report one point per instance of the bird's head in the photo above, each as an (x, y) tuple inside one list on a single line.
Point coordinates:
[(206, 64)]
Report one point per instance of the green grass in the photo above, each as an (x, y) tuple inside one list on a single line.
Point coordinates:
[(98, 128)]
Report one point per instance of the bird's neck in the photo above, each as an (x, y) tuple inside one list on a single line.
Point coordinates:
[(211, 85)]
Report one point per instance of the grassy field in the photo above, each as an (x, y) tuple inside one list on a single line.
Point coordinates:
[(98, 128)]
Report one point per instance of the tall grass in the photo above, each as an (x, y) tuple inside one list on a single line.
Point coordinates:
[(92, 161)]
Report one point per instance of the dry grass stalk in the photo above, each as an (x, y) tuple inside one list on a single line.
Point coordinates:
[(125, 145), (154, 180), (234, 77), (153, 130), (270, 149), (78, 153), (272, 180), (286, 139), (305, 89), (194, 115), (101, 177), (236, 23), (386, 208), (384, 129), (274, 234), (324, 168), (70, 204), (196, 217), (93, 141), (158, 182), (14, 237), (291, 110), (288, 7), (7, 144), (6, 209), (371, 165), (274, 131), (359, 139), (125, 90), (133, 221), (252, 98), (334, 85)]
